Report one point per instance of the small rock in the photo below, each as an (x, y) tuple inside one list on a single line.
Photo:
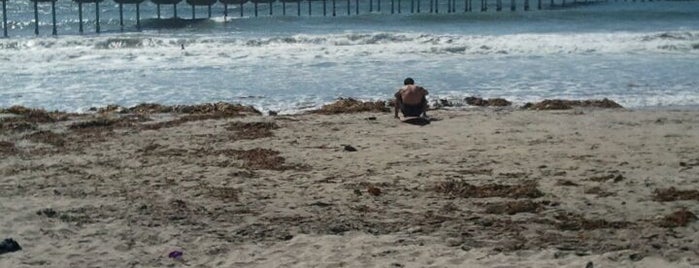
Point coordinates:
[(374, 191), (48, 212), (371, 118), (590, 265), (273, 113), (636, 257), (287, 237), (9, 245), (349, 148)]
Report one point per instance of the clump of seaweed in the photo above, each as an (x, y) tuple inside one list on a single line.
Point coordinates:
[(617, 177), (7, 147), (47, 137), (679, 218), (569, 104), (672, 194), (513, 207), (460, 188), (252, 130), (260, 158), (598, 191), (350, 105), (222, 109), (228, 194), (146, 108), (575, 222), (17, 126), (108, 123), (34, 115), (476, 101)]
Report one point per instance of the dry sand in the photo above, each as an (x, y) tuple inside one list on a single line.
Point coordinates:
[(476, 188)]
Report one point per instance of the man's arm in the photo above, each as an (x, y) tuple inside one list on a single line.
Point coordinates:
[(397, 104)]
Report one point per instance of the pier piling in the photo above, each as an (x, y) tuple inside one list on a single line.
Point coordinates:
[(80, 17), (121, 16), (97, 16), (138, 16), (53, 17), (4, 18), (36, 18)]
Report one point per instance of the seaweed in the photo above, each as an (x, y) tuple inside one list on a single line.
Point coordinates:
[(672, 194), (350, 105), (557, 104), (252, 130), (460, 188), (679, 218)]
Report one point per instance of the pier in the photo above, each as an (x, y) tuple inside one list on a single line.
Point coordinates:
[(312, 8)]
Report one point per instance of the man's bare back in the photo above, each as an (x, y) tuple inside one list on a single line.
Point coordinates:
[(412, 94), (411, 99)]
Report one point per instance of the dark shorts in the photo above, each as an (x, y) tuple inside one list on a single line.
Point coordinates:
[(411, 110)]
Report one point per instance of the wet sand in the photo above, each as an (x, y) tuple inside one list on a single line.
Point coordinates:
[(483, 187)]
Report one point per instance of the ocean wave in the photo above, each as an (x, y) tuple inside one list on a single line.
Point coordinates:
[(671, 36), (565, 43)]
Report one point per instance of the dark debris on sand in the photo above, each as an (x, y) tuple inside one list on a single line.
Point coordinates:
[(569, 104), (222, 109), (251, 130), (350, 105), (672, 194), (574, 222), (16, 126), (498, 102), (33, 115), (259, 158), (7, 147), (679, 218), (47, 137), (513, 207), (109, 123), (461, 188)]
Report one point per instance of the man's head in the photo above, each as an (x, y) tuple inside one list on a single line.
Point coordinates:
[(408, 81)]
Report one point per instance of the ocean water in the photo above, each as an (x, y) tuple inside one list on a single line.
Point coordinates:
[(641, 54)]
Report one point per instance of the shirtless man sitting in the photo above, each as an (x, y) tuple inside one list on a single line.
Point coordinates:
[(411, 99)]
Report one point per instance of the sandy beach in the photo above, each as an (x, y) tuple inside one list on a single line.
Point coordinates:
[(477, 187)]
